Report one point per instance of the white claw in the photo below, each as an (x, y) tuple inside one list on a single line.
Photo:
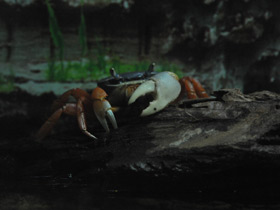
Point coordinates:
[(103, 122), (112, 118), (146, 87), (165, 87)]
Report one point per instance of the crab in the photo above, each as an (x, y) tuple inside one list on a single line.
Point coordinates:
[(155, 90)]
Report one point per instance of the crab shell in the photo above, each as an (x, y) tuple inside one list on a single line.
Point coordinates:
[(164, 88), (109, 84)]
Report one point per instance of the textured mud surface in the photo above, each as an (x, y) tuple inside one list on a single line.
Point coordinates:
[(225, 149)]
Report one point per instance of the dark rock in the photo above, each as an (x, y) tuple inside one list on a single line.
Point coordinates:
[(229, 144)]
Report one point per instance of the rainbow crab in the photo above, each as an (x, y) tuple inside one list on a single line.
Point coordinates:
[(120, 91)]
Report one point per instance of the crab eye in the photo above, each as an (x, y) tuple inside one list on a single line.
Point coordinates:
[(114, 73)]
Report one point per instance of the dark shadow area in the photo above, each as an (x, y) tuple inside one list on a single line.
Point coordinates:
[(69, 170)]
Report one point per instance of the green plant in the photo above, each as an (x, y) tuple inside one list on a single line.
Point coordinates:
[(7, 82), (50, 73), (82, 32), (95, 69), (97, 64), (58, 42)]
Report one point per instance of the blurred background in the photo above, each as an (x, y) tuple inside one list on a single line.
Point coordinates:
[(48, 45)]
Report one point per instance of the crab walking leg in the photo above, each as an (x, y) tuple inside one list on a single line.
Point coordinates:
[(70, 109), (200, 91), (103, 109), (76, 93), (189, 88), (82, 119), (193, 88)]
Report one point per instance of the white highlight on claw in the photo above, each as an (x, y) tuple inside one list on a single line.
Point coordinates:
[(112, 118), (165, 87)]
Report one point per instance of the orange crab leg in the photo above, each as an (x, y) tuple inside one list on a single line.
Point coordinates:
[(188, 87), (46, 128), (190, 90), (76, 93), (82, 119), (193, 88), (200, 91), (60, 106), (103, 109)]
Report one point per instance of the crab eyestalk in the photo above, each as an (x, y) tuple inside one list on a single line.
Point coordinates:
[(102, 109)]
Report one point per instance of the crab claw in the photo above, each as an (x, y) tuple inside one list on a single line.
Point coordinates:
[(102, 109), (164, 86)]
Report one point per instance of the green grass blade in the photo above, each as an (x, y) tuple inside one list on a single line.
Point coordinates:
[(82, 33), (56, 34)]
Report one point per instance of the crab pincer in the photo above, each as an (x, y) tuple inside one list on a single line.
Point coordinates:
[(102, 108), (163, 86)]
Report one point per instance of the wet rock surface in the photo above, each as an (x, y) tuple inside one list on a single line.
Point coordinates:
[(224, 148)]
